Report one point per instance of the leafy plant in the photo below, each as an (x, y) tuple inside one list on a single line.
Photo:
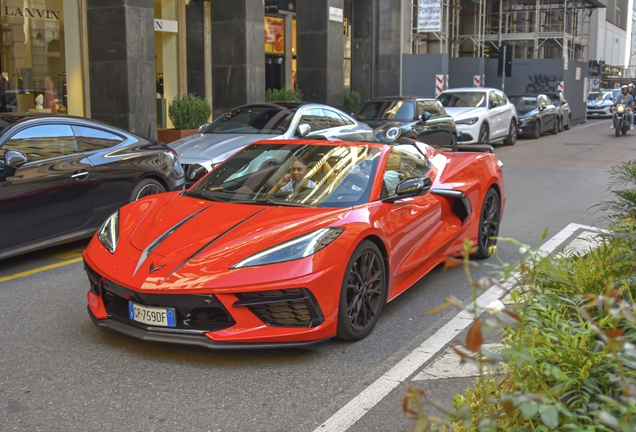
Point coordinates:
[(283, 95), (351, 101), (623, 187), (189, 111)]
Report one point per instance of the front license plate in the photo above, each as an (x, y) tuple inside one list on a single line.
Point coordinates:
[(151, 315), (595, 114)]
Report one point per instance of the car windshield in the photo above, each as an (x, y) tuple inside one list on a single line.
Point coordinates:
[(524, 104), (388, 110), (463, 99), (555, 98), (256, 119), (329, 175), (599, 96)]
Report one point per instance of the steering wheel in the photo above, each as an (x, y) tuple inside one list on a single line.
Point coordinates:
[(356, 180)]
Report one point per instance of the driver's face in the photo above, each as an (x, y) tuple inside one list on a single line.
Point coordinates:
[(298, 170)]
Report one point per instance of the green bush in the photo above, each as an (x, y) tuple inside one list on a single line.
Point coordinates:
[(189, 111), (283, 95), (568, 361), (352, 102)]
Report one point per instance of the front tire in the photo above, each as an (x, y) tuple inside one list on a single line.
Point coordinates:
[(489, 220), (511, 139), (617, 128), (484, 134), (452, 142), (145, 188), (537, 130), (363, 292)]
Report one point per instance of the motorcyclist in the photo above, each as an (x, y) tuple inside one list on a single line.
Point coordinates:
[(626, 99)]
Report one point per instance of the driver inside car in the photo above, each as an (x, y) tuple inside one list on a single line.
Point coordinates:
[(295, 180)]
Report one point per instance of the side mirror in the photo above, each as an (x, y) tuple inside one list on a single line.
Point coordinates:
[(303, 129), (195, 173), (14, 159), (494, 104), (202, 127), (411, 187), (425, 116)]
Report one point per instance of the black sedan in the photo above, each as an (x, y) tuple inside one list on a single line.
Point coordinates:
[(537, 114), (423, 119), (563, 110), (62, 176)]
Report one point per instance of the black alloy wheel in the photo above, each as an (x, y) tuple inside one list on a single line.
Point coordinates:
[(146, 188), (555, 127), (484, 134), (363, 292), (511, 139), (452, 142), (489, 220), (537, 130)]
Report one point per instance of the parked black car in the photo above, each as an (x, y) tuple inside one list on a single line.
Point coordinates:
[(563, 110), (537, 114), (62, 176), (423, 119)]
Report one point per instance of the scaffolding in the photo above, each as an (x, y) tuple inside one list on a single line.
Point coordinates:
[(537, 29)]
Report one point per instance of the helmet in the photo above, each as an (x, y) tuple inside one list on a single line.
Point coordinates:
[(624, 87), (631, 85)]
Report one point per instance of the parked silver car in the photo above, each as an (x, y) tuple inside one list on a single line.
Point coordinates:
[(241, 126)]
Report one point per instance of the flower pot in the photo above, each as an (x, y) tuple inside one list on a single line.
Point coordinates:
[(169, 135)]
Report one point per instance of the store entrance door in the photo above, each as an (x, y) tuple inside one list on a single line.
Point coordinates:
[(274, 72)]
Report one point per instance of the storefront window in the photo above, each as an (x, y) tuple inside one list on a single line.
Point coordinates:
[(32, 57)]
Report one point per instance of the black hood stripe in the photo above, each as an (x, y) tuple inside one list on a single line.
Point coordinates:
[(152, 246), (212, 242)]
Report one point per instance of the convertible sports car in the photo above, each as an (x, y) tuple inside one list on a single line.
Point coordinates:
[(288, 243)]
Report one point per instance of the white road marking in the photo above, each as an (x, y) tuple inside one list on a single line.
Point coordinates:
[(353, 411), (449, 365)]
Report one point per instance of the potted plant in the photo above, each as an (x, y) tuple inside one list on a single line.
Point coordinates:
[(187, 113)]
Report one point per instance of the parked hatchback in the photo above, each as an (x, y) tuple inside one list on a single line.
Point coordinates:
[(423, 119), (564, 112), (482, 115)]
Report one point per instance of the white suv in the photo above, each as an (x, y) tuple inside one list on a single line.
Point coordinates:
[(482, 115)]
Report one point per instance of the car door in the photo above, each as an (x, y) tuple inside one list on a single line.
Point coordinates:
[(547, 113), (494, 115), (52, 193), (507, 111), (427, 131), (409, 223)]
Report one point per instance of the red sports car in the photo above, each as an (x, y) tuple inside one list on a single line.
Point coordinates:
[(289, 243)]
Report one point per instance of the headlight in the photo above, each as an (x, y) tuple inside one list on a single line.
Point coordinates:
[(620, 109), (108, 234), (470, 121), (297, 248)]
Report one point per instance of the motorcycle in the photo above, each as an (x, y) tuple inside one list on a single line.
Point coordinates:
[(621, 119)]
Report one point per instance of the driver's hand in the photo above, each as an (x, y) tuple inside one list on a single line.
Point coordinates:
[(284, 180)]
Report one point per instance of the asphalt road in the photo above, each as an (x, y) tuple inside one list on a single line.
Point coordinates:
[(60, 372)]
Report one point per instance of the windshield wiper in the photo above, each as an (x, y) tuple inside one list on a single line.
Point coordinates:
[(270, 201), (203, 196)]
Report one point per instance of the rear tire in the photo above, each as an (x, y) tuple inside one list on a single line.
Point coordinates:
[(489, 220), (511, 139), (145, 188), (567, 126), (362, 294), (556, 127)]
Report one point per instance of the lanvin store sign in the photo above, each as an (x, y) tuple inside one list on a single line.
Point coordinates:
[(32, 13)]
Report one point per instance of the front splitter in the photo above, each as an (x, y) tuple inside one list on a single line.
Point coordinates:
[(190, 339)]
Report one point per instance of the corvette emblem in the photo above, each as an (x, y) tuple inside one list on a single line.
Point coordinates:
[(154, 269)]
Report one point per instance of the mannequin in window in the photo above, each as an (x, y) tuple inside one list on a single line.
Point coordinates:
[(49, 96), (4, 86)]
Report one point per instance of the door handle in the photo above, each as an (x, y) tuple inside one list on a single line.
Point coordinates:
[(80, 175)]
